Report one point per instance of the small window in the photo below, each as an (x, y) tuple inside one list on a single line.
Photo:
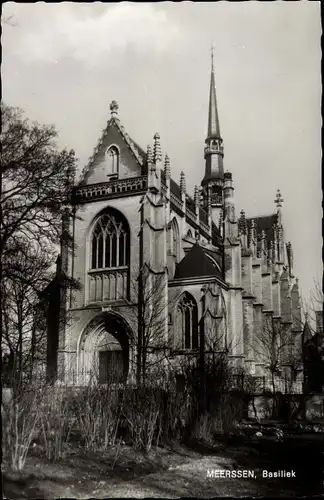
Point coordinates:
[(112, 158)]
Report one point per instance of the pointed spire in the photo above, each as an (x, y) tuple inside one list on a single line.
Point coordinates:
[(114, 110), (182, 182), (149, 154), (157, 152), (167, 167), (213, 120), (214, 150)]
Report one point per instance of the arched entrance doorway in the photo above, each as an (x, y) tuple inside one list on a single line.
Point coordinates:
[(104, 350)]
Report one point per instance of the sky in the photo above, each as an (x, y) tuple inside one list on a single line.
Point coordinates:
[(63, 63)]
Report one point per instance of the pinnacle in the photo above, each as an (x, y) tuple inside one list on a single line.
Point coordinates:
[(149, 154), (167, 168), (157, 152), (182, 182), (196, 195)]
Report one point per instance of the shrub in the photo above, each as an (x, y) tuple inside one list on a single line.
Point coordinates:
[(20, 418), (56, 421)]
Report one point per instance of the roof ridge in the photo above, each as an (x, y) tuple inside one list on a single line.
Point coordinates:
[(131, 143), (259, 216)]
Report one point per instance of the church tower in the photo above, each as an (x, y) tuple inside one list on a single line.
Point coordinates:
[(213, 181)]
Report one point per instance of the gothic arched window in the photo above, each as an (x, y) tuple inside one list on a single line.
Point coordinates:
[(187, 313), (109, 261), (110, 242), (175, 243), (112, 159)]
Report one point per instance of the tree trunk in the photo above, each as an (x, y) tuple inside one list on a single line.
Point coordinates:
[(274, 394), (202, 371), (139, 358)]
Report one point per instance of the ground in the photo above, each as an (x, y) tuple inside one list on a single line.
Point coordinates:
[(172, 473)]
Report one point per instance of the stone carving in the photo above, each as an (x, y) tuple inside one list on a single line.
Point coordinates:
[(112, 187)]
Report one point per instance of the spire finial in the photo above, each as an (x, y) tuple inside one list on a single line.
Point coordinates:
[(157, 152), (114, 110), (242, 223), (167, 167), (182, 182), (279, 199)]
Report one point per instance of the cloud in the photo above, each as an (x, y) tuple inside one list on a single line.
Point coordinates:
[(52, 31)]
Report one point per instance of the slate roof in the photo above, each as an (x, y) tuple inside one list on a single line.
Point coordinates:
[(197, 264), (137, 151), (264, 223), (203, 216), (216, 236), (190, 203), (175, 188)]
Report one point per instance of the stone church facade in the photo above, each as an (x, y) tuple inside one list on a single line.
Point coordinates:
[(165, 271)]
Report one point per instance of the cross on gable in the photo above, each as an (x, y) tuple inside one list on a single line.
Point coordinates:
[(279, 199)]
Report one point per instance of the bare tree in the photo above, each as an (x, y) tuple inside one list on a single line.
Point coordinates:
[(276, 348), (23, 332), (314, 305), (313, 341), (151, 342), (36, 182)]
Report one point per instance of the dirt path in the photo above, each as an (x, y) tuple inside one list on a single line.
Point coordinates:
[(186, 476), (162, 473), (186, 480)]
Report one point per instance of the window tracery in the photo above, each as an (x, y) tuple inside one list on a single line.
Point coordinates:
[(188, 321), (109, 243), (109, 259)]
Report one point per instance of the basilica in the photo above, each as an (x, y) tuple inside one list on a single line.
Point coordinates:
[(165, 273)]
